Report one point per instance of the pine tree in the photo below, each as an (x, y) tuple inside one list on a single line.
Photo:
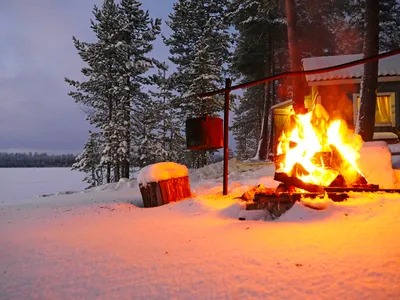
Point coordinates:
[(89, 160), (261, 50), (139, 32), (169, 130), (199, 47), (116, 71), (389, 23), (247, 122)]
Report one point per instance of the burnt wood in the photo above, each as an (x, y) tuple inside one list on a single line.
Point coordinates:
[(165, 191), (278, 204)]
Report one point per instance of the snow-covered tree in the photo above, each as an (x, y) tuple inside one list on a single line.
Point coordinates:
[(389, 23), (199, 47), (261, 49), (169, 131), (89, 160), (116, 72), (247, 122)]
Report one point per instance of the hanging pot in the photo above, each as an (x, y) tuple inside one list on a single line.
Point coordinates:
[(204, 133)]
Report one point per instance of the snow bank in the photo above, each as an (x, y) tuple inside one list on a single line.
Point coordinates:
[(235, 168), (375, 163), (161, 171)]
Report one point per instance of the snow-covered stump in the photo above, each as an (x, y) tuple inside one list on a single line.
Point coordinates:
[(163, 183)]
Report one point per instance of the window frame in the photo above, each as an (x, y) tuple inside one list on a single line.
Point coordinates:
[(392, 96)]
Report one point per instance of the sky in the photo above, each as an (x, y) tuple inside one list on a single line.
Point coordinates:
[(36, 53)]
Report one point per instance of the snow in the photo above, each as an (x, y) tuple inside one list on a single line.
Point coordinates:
[(19, 185), (102, 244), (394, 148), (161, 171), (375, 164)]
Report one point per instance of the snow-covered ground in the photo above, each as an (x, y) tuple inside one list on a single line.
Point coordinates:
[(19, 185), (101, 244)]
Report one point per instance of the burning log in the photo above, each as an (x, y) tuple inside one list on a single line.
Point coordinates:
[(296, 182), (321, 159)]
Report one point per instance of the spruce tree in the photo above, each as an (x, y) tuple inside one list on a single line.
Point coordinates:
[(261, 49), (89, 160), (117, 65), (389, 23), (199, 47), (169, 130), (247, 122)]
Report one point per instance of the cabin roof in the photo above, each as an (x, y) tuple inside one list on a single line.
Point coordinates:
[(389, 66)]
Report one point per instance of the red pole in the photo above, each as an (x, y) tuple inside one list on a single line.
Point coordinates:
[(228, 84)]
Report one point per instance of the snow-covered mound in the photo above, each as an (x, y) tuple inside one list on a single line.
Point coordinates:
[(375, 163), (123, 183), (236, 169)]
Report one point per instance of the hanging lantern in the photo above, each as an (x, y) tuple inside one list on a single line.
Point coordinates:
[(204, 133)]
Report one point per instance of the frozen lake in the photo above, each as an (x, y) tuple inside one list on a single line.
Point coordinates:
[(20, 185)]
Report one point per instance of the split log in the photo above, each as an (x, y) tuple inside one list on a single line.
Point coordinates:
[(338, 182), (249, 195), (165, 191)]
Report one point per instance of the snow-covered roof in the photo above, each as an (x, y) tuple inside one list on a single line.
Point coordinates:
[(283, 104), (389, 66)]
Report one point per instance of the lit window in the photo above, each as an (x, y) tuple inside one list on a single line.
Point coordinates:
[(385, 109)]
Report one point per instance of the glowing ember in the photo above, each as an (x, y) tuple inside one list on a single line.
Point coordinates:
[(318, 149)]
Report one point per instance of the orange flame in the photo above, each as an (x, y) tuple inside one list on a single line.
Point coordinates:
[(313, 136)]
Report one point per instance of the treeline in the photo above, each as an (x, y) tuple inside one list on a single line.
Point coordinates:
[(35, 160)]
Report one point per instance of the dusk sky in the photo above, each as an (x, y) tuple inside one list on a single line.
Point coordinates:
[(36, 53)]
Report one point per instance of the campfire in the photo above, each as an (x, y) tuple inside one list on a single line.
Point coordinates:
[(317, 153), (316, 159)]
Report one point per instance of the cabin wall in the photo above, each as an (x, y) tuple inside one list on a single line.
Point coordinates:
[(338, 101)]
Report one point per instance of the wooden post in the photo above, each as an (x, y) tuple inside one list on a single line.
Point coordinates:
[(228, 84)]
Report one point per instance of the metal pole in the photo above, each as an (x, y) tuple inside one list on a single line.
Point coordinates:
[(228, 84)]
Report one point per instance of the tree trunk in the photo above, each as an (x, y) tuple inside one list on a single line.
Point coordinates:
[(127, 116), (369, 83), (265, 146), (116, 172), (294, 53), (125, 164), (108, 173), (263, 143)]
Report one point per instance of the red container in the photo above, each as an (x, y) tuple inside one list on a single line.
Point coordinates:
[(204, 133)]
